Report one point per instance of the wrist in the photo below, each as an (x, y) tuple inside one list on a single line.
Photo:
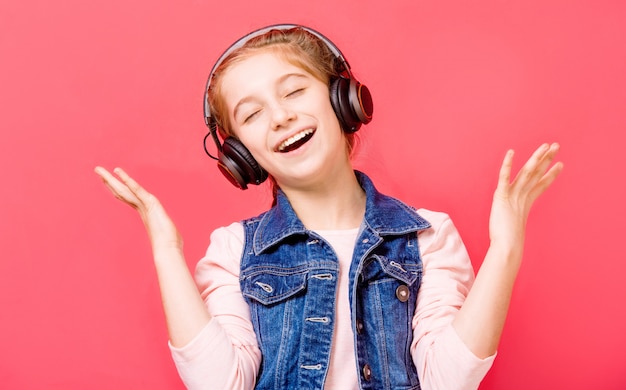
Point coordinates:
[(506, 253)]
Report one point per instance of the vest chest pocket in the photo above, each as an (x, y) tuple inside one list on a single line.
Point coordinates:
[(271, 286), (380, 267)]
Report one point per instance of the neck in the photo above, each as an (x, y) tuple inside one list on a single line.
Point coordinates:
[(338, 202)]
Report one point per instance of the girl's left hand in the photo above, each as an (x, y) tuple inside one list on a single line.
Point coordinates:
[(481, 318), (513, 200)]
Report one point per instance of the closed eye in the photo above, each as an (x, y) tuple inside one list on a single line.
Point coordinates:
[(251, 116), (295, 92)]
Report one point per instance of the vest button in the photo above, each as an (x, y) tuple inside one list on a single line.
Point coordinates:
[(367, 372), (403, 293), (359, 326)]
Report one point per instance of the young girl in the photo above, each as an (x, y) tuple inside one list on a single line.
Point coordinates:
[(337, 286)]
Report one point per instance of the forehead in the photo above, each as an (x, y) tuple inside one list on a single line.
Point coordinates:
[(256, 73)]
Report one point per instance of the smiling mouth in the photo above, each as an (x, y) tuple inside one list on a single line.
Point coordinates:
[(295, 141)]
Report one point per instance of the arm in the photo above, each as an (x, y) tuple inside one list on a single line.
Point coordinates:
[(480, 320), (185, 312), (210, 351), (442, 359), (225, 355)]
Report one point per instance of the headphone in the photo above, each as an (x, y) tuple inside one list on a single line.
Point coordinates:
[(351, 101)]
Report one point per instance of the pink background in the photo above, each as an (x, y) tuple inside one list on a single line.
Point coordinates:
[(455, 84)]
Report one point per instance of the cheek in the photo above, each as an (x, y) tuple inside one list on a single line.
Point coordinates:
[(253, 140), (326, 108), (330, 116)]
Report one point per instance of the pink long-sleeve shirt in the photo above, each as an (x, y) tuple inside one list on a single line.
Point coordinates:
[(225, 354)]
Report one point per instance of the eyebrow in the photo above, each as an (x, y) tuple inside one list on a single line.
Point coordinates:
[(279, 81)]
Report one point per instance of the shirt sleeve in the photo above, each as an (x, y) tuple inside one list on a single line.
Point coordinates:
[(442, 359), (225, 354)]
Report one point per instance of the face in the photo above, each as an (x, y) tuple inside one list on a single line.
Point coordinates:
[(283, 115)]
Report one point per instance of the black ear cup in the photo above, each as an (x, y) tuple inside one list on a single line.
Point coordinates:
[(238, 165), (352, 103)]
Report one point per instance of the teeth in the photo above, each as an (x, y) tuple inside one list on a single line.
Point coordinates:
[(294, 138)]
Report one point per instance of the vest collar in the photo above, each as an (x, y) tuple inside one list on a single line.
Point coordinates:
[(384, 215)]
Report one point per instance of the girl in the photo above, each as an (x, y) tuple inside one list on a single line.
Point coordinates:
[(336, 286)]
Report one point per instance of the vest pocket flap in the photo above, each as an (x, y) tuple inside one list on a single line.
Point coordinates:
[(272, 287), (403, 271)]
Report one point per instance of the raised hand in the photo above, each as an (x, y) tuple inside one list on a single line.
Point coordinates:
[(513, 200), (481, 319), (161, 230), (185, 311)]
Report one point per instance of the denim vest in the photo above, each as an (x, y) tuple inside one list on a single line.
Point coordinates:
[(289, 279)]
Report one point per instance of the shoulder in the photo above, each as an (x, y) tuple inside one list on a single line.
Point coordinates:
[(435, 218), (441, 234), (228, 236), (225, 247)]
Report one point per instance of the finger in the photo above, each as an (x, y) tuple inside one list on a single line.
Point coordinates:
[(546, 181), (504, 177), (549, 152), (550, 155), (544, 162), (137, 189), (123, 194), (537, 174), (109, 179), (119, 189), (536, 158), (535, 167), (103, 173)]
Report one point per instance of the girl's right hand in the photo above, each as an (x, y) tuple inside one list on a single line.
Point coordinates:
[(162, 232)]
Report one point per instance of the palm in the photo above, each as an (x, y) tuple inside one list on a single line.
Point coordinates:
[(161, 230)]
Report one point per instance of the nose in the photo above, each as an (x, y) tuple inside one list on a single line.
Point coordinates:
[(281, 116)]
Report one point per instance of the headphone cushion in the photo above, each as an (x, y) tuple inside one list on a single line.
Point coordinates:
[(339, 101), (241, 160), (352, 103)]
